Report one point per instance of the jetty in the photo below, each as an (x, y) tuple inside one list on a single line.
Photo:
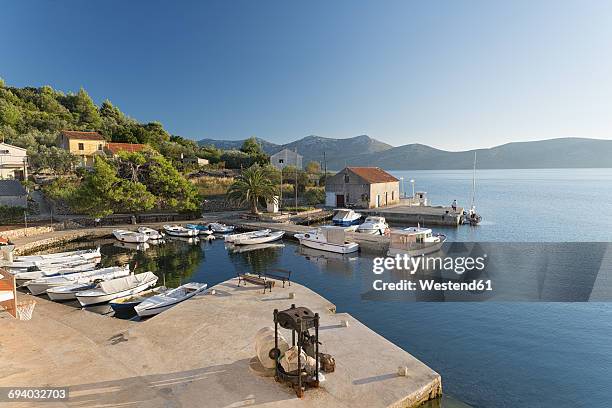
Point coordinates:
[(201, 353), (406, 214)]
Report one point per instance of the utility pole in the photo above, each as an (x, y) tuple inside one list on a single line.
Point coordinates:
[(280, 201), (324, 168), (296, 187)]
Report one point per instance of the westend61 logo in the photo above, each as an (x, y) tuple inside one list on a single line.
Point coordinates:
[(455, 266)]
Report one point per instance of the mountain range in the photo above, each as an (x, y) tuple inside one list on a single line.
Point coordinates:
[(366, 151)]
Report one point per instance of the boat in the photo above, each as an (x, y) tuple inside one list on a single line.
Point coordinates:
[(240, 249), (143, 246), (23, 277), (178, 231), (221, 228), (21, 265), (373, 225), (159, 303), (130, 236), (346, 217), (259, 239), (202, 229), (328, 238), (59, 255), (232, 237), (40, 286), (127, 303), (69, 291), (472, 217), (153, 234), (414, 241), (116, 288)]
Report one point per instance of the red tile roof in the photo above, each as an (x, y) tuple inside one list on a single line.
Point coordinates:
[(74, 134), (373, 174), (124, 147)]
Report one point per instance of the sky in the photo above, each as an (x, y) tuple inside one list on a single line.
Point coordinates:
[(450, 74)]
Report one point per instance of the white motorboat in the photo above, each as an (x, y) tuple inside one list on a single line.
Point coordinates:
[(116, 288), (415, 241), (346, 217), (22, 277), (40, 286), (328, 238), (153, 234), (178, 231), (143, 246), (259, 239), (58, 255), (130, 236), (39, 264), (221, 228), (373, 225), (233, 237), (69, 291), (159, 303), (201, 229), (126, 304)]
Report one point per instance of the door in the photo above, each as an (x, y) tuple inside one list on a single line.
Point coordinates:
[(340, 200), (377, 200)]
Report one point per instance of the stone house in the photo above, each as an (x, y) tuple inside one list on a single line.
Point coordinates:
[(286, 158), (361, 187), (85, 145), (13, 162)]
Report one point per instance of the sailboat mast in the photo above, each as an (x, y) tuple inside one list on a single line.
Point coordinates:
[(474, 182)]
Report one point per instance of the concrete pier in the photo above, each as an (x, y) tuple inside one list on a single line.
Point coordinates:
[(197, 354), (413, 215)]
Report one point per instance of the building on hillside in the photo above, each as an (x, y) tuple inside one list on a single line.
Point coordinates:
[(13, 162), (195, 160), (85, 145), (361, 187), (112, 148), (286, 158), (12, 194)]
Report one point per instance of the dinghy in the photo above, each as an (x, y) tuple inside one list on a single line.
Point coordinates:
[(23, 277), (202, 229), (130, 236), (233, 237), (159, 303), (116, 288), (39, 264), (259, 239), (126, 304), (373, 225), (328, 238), (59, 255), (178, 231), (151, 233), (40, 286), (221, 228), (68, 292), (345, 217)]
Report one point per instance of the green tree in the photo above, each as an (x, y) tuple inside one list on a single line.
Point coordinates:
[(313, 168), (251, 147), (134, 197), (251, 187), (98, 193)]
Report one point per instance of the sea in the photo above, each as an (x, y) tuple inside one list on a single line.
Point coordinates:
[(489, 354)]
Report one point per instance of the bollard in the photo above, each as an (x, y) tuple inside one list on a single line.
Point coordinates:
[(344, 323), (402, 371), (291, 295)]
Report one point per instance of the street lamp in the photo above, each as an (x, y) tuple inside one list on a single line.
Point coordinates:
[(412, 182)]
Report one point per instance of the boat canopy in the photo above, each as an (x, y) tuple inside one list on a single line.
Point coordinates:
[(334, 235)]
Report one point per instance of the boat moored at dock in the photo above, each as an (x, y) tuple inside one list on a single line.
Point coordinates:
[(201, 229), (178, 231), (153, 234), (219, 228), (130, 236), (40, 286), (346, 217), (116, 288), (414, 241), (232, 237), (260, 238), (374, 225), (127, 303), (328, 238), (159, 303)]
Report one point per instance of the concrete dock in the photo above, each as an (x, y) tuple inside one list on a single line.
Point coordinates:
[(198, 354), (413, 214)]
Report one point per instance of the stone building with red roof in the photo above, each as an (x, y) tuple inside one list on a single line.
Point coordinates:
[(362, 187)]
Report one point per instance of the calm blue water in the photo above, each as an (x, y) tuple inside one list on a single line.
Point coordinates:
[(489, 354)]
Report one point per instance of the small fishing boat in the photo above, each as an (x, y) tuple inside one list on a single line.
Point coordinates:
[(127, 303), (233, 237), (142, 246), (328, 238), (116, 288), (415, 241), (68, 292), (259, 239), (178, 231), (373, 225), (41, 285), (153, 234), (240, 249), (159, 303), (202, 229), (20, 265), (23, 277), (130, 236), (85, 253), (221, 228), (345, 217)]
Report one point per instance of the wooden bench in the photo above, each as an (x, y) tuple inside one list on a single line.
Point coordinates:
[(283, 275), (256, 280)]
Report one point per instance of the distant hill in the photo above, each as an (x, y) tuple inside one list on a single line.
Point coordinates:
[(365, 151)]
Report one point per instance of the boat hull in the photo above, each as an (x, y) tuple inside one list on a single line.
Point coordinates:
[(156, 309), (346, 223), (325, 246), (273, 236), (424, 250), (87, 300)]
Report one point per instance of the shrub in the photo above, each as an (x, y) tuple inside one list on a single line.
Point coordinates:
[(314, 196)]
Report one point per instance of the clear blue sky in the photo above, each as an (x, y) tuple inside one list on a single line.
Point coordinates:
[(451, 74)]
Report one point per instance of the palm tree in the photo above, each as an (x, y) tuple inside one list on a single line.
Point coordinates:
[(250, 187)]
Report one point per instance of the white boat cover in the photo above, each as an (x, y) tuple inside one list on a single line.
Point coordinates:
[(121, 284)]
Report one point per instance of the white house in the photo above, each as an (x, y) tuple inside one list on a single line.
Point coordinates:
[(13, 162), (285, 158)]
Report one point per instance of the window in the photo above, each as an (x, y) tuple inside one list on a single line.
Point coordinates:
[(100, 147), (81, 146), (4, 152), (392, 195), (281, 161), (346, 178)]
